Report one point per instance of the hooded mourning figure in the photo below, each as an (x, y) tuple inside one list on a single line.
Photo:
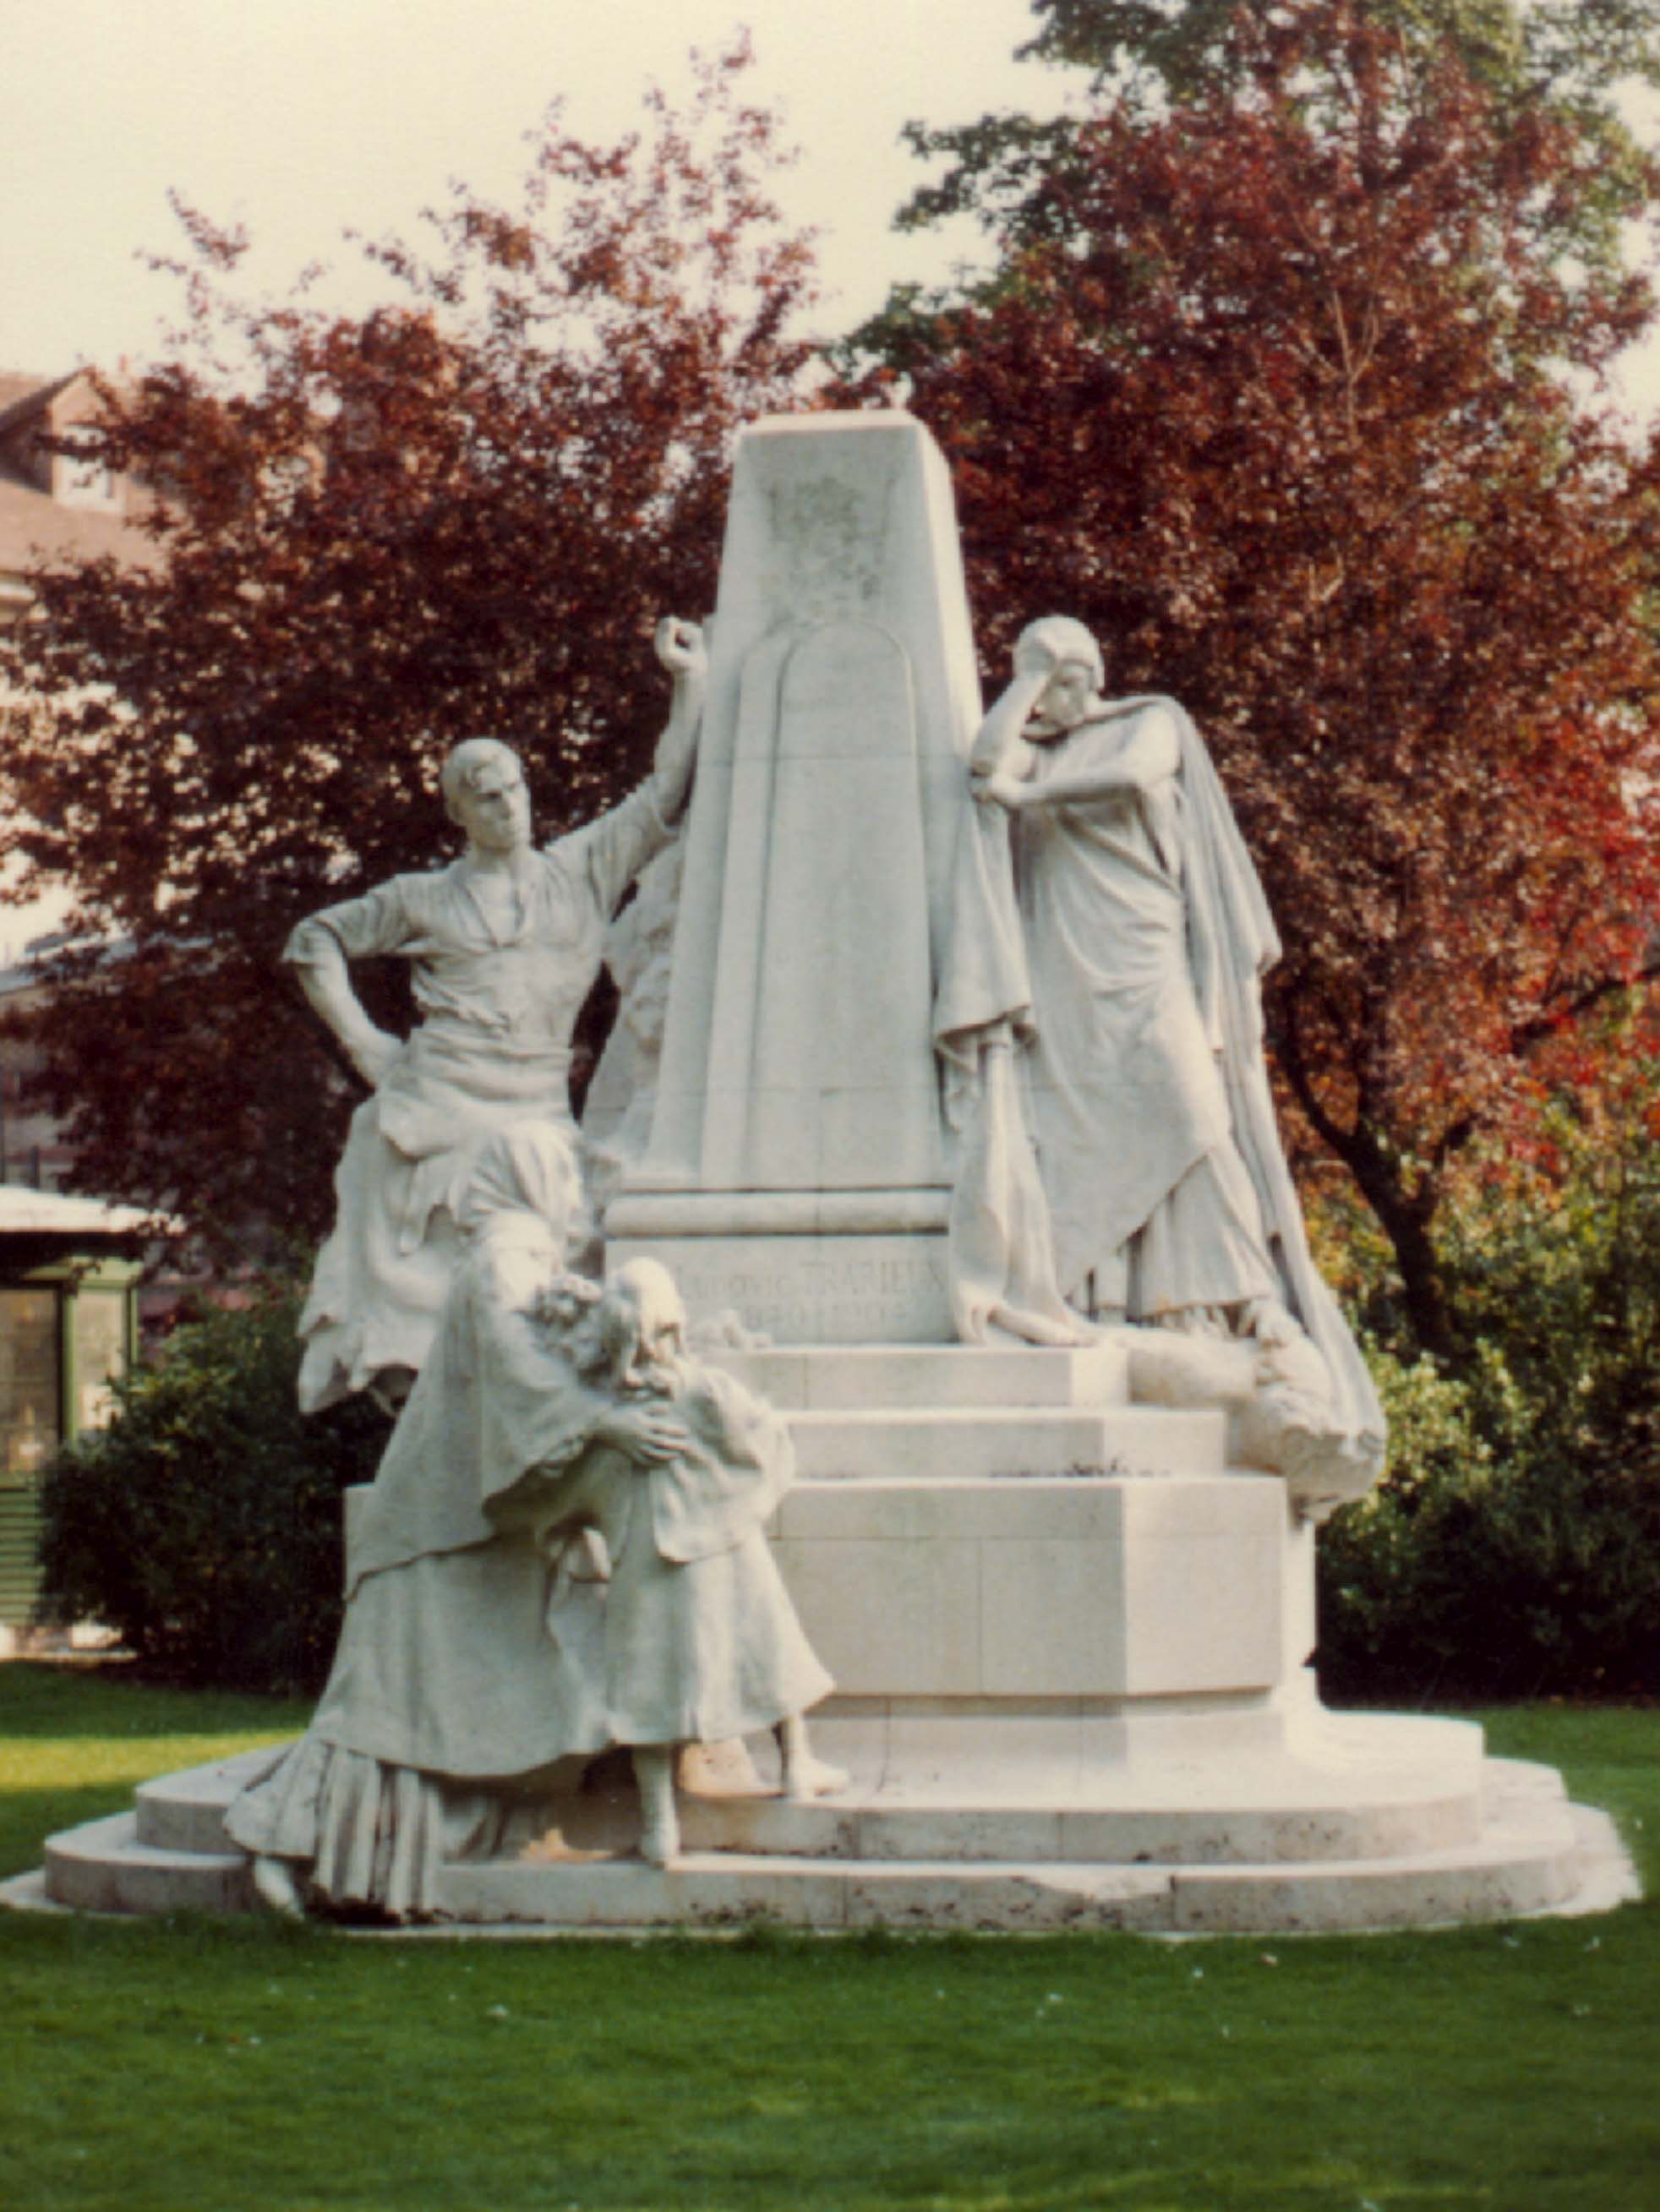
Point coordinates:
[(563, 1549), (1100, 1025)]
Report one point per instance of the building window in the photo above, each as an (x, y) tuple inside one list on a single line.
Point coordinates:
[(84, 479), (65, 1335), (100, 1353), (30, 1385)]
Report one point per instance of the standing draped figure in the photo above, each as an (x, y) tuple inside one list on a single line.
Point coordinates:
[(1129, 941), (504, 945)]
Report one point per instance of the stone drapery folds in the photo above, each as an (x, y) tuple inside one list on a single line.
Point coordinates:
[(1100, 1031)]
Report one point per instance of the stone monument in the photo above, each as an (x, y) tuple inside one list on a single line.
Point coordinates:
[(1058, 1564), (799, 1170)]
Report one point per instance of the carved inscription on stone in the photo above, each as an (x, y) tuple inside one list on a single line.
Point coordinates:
[(826, 1289)]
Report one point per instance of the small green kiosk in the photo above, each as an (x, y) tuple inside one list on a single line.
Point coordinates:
[(69, 1300)]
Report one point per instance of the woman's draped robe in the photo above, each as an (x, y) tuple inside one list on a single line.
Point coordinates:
[(498, 1006), (1101, 1009), (483, 1642)]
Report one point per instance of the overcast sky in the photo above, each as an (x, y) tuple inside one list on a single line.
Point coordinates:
[(301, 117)]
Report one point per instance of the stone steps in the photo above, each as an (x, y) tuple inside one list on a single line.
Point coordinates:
[(840, 1378), (1136, 1834), (184, 1813), (1528, 1861), (984, 1444), (1065, 1699), (934, 1412), (1171, 1868), (722, 1889), (102, 1867), (1281, 1813)]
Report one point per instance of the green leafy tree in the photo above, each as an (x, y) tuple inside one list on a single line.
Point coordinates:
[(1566, 59)]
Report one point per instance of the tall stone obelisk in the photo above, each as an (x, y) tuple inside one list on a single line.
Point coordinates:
[(798, 1170)]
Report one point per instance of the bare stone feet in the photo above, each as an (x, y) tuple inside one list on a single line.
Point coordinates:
[(660, 1823), (810, 1777), (805, 1776)]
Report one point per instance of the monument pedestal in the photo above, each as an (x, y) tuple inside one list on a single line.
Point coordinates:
[(1069, 1643), (798, 1167), (1070, 1639)]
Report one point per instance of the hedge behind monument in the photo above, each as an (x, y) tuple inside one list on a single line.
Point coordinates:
[(1479, 1574), (1513, 1549), (204, 1522)]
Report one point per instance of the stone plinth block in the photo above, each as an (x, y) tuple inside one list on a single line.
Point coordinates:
[(1039, 1588), (802, 1287)]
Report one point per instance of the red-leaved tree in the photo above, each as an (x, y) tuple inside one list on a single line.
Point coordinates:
[(1291, 392), (377, 534)]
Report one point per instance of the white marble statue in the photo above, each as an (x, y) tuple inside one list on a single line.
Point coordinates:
[(505, 944), (564, 1550), (699, 1643), (1127, 976)]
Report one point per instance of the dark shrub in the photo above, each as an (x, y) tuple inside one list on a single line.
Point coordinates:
[(203, 1523), (1484, 1566), (1513, 1549)]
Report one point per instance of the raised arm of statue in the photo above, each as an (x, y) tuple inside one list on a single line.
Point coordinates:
[(1055, 698), (1057, 667), (999, 746), (1057, 671), (1148, 752), (680, 647), (612, 850)]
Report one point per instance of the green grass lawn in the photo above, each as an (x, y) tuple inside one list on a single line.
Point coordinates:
[(194, 2066)]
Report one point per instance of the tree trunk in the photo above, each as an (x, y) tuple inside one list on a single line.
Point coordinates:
[(1403, 1211), (1405, 1216)]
